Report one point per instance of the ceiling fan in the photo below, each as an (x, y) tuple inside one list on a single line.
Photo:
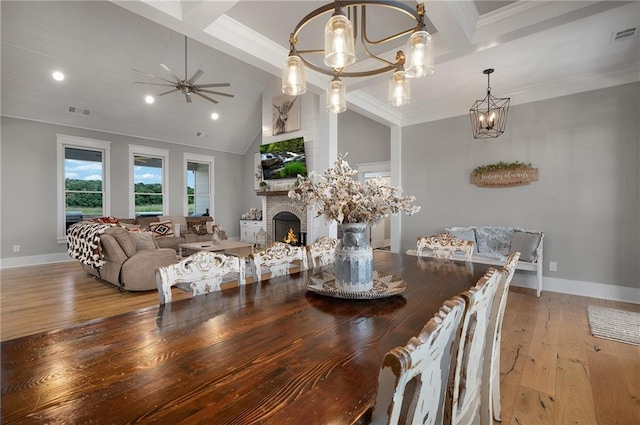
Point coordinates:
[(187, 86)]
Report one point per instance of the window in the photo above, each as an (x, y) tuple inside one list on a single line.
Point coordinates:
[(148, 181), (198, 184), (83, 182)]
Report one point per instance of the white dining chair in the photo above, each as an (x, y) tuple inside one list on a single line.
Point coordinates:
[(204, 271), (444, 245), (492, 350), (414, 379), (277, 259), (467, 401), (322, 251)]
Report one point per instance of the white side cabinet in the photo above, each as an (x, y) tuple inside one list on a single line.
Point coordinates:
[(249, 230)]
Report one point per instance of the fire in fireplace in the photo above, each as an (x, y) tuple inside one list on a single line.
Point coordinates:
[(285, 225)]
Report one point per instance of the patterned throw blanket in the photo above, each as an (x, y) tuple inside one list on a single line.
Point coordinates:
[(83, 240)]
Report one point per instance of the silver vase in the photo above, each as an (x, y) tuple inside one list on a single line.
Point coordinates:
[(354, 259)]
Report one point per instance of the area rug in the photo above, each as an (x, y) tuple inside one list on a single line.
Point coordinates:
[(616, 325)]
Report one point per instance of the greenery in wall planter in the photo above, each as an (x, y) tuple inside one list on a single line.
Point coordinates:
[(264, 185), (478, 171)]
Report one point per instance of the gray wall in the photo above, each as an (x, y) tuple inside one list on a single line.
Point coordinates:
[(587, 198), (363, 139), (29, 183)]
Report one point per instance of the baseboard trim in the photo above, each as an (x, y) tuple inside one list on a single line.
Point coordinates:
[(581, 288), (34, 260)]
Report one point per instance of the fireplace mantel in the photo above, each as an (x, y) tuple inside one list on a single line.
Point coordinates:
[(272, 192)]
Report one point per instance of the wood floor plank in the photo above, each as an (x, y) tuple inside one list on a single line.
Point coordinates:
[(540, 367), (574, 395), (613, 401), (533, 408)]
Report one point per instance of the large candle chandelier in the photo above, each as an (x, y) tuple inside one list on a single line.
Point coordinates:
[(340, 34)]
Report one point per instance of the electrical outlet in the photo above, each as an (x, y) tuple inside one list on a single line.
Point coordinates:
[(553, 266), (16, 248)]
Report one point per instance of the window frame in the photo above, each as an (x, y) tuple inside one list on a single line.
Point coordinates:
[(64, 141), (163, 154), (201, 159)]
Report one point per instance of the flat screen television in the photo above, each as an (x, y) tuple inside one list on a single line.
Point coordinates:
[(283, 160)]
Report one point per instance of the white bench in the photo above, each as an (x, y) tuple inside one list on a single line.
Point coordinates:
[(527, 241)]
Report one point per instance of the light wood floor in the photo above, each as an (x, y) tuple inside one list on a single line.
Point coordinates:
[(553, 370)]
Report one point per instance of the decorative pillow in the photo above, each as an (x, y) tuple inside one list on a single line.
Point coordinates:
[(494, 242), (107, 220), (175, 219), (132, 227), (144, 240), (466, 234), (526, 243), (162, 229), (124, 239), (198, 225)]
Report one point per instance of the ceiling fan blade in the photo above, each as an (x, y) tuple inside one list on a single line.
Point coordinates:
[(206, 97), (216, 92), (166, 68), (215, 85), (154, 84), (195, 76), (167, 92), (188, 96), (151, 75)]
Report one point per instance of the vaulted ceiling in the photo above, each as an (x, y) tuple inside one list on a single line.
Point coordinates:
[(539, 49)]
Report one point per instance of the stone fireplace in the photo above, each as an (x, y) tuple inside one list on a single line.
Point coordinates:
[(281, 209)]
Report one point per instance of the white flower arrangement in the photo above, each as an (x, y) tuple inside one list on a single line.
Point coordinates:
[(339, 197)]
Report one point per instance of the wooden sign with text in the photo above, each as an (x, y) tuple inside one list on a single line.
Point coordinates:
[(505, 177)]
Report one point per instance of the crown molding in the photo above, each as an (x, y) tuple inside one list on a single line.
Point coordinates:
[(522, 14), (372, 108)]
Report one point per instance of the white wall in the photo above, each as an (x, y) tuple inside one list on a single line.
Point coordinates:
[(587, 198), (28, 177)]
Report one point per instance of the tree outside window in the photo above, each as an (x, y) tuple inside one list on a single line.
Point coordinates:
[(148, 189)]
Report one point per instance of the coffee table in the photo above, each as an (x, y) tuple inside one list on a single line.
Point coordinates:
[(223, 245)]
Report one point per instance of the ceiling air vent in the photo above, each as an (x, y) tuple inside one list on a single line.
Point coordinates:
[(623, 35), (76, 110)]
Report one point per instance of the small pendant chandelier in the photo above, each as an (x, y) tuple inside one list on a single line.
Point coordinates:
[(489, 115)]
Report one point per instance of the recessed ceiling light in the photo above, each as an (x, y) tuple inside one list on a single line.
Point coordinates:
[(149, 99), (215, 116), (58, 76)]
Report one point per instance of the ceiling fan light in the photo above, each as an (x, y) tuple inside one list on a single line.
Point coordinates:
[(339, 43), (399, 90), (420, 55), (294, 80), (336, 96)]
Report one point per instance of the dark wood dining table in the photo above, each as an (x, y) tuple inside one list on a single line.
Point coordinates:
[(271, 352)]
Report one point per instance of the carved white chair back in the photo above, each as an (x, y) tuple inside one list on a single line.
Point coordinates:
[(492, 350), (277, 259), (322, 251), (466, 396), (204, 271), (413, 380), (443, 245)]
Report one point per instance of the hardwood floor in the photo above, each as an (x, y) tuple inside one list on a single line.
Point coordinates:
[(553, 370)]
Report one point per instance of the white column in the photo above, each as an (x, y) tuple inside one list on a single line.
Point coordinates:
[(326, 151), (396, 180)]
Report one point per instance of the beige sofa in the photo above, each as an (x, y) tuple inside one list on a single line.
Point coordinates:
[(130, 259)]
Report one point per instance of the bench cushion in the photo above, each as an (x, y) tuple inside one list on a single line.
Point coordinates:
[(526, 243)]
